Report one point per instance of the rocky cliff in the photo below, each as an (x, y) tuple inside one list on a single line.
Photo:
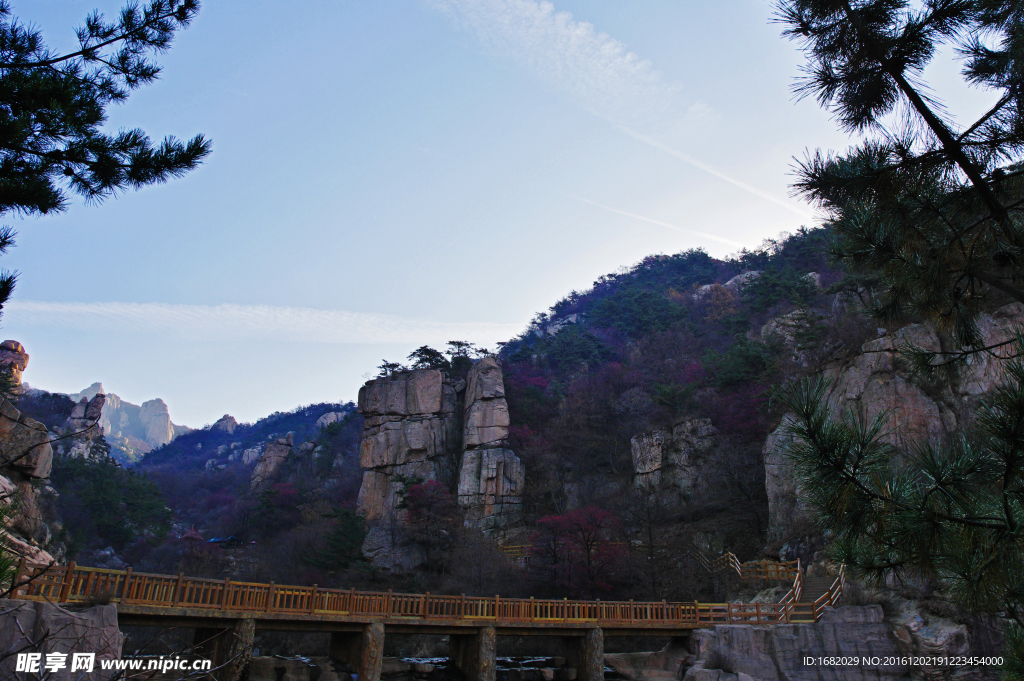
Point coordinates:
[(677, 459), (47, 628), (875, 648), (410, 430), (878, 380), (491, 476), (423, 425), (133, 430), (27, 449), (13, 358)]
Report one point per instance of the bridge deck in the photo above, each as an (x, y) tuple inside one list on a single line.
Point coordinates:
[(156, 598)]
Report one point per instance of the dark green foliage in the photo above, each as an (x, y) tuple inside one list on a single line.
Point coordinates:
[(1013, 643), (927, 216), (657, 272), (50, 409), (745, 361), (54, 106), (637, 311), (277, 509), (344, 541), (426, 357), (954, 513), (52, 109), (103, 504), (337, 440), (387, 368), (675, 397), (778, 285), (574, 346)]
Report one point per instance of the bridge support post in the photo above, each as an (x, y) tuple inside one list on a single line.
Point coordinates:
[(586, 654), (362, 651), (230, 649), (475, 654)]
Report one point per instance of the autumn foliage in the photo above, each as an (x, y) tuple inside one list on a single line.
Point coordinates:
[(576, 552)]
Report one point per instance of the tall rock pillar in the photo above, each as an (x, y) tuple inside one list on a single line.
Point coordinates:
[(491, 476)]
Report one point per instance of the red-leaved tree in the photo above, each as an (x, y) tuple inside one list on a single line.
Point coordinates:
[(577, 552)]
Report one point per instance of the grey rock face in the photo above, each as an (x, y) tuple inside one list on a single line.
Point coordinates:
[(777, 653), (491, 476), (157, 421), (491, 485), (387, 549), (275, 453), (410, 429), (226, 423), (329, 418), (24, 443), (876, 381), (47, 628), (674, 459)]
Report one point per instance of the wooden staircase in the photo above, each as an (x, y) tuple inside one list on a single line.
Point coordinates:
[(814, 588), (804, 602)]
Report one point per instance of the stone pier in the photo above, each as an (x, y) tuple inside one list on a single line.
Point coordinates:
[(586, 654), (229, 648), (474, 653), (362, 651)]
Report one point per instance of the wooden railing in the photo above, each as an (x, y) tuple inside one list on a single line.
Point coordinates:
[(74, 584), (830, 597), (769, 570), (752, 569)]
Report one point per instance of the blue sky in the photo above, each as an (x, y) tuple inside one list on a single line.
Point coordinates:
[(387, 174)]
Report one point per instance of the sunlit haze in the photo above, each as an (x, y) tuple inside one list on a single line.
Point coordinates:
[(389, 174)]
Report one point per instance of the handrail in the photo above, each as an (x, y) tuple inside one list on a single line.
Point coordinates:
[(750, 570), (831, 597), (74, 584)]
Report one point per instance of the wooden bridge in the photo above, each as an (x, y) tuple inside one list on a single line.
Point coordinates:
[(225, 614)]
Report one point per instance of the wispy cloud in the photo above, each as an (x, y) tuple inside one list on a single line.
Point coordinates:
[(249, 322), (596, 70), (684, 230), (646, 139)]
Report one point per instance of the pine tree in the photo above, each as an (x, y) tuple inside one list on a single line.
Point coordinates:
[(953, 514), (930, 212), (53, 106), (931, 208)]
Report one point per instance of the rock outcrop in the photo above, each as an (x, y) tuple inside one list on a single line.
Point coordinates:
[(156, 420), (423, 425), (252, 455), (13, 358), (275, 453), (733, 286), (877, 381), (26, 458), (411, 430), (84, 424), (674, 459), (329, 418), (45, 628), (129, 426), (777, 653), (743, 652), (24, 443), (491, 476), (226, 423)]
